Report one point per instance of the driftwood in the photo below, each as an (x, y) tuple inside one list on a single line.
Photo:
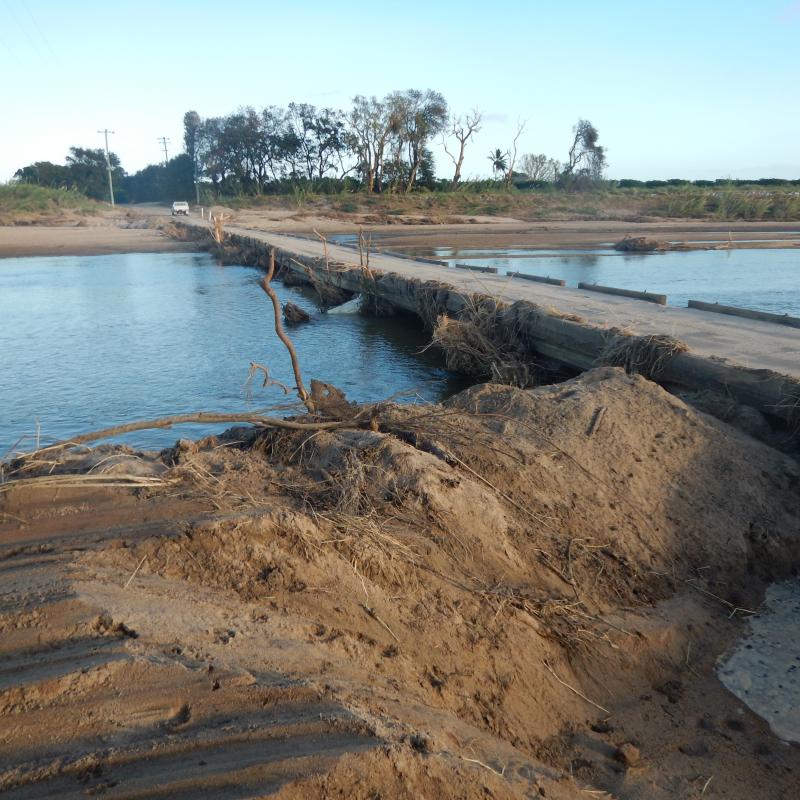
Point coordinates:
[(276, 306), (182, 419), (294, 314), (268, 379)]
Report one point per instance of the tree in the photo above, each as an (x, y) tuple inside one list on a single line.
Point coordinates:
[(499, 161), (416, 117), (191, 131), (211, 155), (513, 152), (538, 167), (462, 128), (586, 159), (534, 166), (159, 182), (275, 144), (44, 173), (191, 134), (319, 135), (85, 170), (369, 131), (88, 171)]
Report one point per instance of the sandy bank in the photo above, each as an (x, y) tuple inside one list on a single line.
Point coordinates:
[(497, 597), (504, 232), (40, 240), (133, 229)]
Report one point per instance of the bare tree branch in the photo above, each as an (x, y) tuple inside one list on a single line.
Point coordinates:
[(182, 419), (276, 305), (268, 379), (462, 128), (521, 125)]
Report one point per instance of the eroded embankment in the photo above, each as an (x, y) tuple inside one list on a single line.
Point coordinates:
[(516, 592)]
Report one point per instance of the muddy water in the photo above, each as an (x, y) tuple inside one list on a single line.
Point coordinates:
[(89, 342), (764, 279), (763, 670)]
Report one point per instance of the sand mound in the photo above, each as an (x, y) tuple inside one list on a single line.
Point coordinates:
[(478, 582)]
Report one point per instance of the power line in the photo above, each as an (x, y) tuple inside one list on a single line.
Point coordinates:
[(39, 30), (164, 140), (106, 131)]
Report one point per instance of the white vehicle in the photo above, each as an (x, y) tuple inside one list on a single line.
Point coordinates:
[(180, 207)]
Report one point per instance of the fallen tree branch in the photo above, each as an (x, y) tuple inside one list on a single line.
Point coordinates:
[(183, 419)]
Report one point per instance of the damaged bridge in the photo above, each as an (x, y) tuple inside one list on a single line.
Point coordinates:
[(752, 361)]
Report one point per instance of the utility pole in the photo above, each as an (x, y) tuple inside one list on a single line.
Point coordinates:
[(164, 141), (108, 166)]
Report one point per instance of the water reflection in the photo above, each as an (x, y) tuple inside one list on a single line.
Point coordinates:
[(762, 279)]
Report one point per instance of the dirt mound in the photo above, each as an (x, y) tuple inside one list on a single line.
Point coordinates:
[(482, 583)]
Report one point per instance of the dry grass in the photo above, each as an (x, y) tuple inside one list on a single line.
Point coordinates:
[(85, 480), (432, 297), (642, 355), (485, 342)]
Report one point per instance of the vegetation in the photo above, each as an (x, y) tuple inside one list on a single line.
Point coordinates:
[(85, 171), (527, 200), (381, 148), (22, 202), (161, 182), (587, 159)]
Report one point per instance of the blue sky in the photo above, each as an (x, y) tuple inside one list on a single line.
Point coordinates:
[(699, 89)]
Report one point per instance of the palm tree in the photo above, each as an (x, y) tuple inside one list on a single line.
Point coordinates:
[(499, 161)]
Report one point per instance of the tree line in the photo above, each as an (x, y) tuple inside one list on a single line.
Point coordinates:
[(85, 171), (378, 145), (375, 146)]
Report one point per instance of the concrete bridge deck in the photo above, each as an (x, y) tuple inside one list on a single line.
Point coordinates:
[(748, 343)]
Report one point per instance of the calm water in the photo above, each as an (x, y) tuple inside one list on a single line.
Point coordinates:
[(766, 280), (87, 343)]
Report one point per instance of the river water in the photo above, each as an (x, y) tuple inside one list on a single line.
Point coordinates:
[(90, 342), (761, 279)]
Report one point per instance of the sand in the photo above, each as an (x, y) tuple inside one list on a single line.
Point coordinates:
[(38, 240), (137, 229), (489, 598)]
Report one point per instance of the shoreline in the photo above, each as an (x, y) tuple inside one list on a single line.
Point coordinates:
[(88, 238), (28, 241)]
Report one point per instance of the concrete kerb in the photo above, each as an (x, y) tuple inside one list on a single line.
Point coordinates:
[(660, 299)]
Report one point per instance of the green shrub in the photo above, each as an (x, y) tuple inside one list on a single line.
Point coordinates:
[(346, 206), (785, 206), (25, 201)]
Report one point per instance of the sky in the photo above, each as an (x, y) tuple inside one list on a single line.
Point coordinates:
[(687, 89)]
